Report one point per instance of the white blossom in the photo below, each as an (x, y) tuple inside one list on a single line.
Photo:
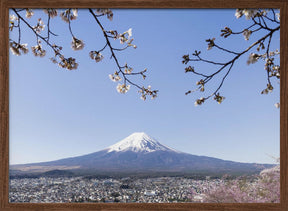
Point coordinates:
[(15, 51), (115, 77), (211, 43), (219, 98), (238, 13), (110, 16), (24, 48), (253, 58), (273, 53), (268, 90), (107, 12), (40, 26), (147, 91), (264, 12), (69, 14), (249, 13), (125, 37), (246, 34), (74, 14), (69, 63), (278, 16), (97, 56), (277, 105), (77, 44), (122, 88), (64, 16), (37, 50), (29, 13), (199, 101), (276, 69), (129, 32), (13, 18), (17, 48), (128, 70), (52, 12)]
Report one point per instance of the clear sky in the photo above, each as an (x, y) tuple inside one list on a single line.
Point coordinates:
[(55, 113)]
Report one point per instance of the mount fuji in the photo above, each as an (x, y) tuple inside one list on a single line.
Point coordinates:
[(139, 143), (140, 153)]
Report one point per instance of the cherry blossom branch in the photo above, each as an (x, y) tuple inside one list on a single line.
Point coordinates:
[(32, 29), (124, 71), (271, 69), (77, 44)]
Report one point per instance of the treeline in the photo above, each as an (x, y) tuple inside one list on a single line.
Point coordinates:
[(203, 175)]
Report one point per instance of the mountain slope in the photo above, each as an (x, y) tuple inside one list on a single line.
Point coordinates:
[(139, 152)]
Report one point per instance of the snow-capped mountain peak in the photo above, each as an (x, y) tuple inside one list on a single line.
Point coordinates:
[(138, 142)]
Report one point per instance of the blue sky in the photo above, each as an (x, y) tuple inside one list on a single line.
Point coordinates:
[(55, 113)]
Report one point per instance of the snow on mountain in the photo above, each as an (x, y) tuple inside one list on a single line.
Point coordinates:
[(138, 142)]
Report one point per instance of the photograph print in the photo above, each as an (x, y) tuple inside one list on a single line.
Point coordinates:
[(144, 105)]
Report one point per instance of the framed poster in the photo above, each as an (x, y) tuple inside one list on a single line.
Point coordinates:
[(147, 108)]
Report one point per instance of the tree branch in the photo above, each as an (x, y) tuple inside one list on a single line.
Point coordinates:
[(226, 32)]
